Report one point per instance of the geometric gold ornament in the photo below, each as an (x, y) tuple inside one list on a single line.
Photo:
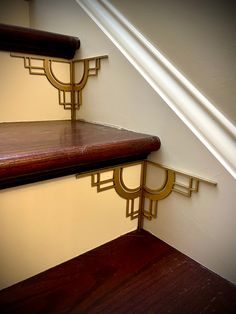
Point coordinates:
[(115, 181), (142, 201), (69, 94), (175, 180)]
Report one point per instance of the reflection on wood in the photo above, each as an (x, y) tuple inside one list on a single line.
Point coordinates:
[(136, 273)]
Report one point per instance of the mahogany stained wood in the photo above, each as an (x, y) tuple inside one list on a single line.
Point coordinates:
[(136, 273), (31, 41), (32, 151)]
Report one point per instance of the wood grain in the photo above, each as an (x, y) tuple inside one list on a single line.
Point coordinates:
[(30, 41), (136, 273), (39, 150)]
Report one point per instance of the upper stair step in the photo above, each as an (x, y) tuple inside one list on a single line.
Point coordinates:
[(34, 151), (32, 41)]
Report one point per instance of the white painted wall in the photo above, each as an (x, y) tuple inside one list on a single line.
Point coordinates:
[(15, 12), (201, 227), (198, 37)]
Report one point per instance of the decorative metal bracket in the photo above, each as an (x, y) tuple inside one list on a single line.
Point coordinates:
[(142, 201), (69, 94)]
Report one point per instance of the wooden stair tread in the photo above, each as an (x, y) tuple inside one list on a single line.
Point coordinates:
[(41, 150), (136, 273), (31, 41)]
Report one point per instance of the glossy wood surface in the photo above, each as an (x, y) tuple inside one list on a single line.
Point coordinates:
[(30, 41), (52, 148), (136, 273)]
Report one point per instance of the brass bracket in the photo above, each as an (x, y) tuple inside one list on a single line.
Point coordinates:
[(69, 94), (142, 201)]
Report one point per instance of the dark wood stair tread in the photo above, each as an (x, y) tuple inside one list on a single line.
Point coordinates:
[(136, 273), (32, 151), (31, 41)]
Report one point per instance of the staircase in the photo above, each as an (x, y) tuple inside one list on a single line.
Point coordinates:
[(42, 150), (37, 150)]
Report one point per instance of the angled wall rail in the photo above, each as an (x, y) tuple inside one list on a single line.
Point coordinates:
[(211, 127)]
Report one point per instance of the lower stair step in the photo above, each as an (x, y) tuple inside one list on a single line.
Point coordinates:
[(35, 151), (136, 273)]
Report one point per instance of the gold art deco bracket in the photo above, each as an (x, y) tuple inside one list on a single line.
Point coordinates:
[(69, 94), (142, 201)]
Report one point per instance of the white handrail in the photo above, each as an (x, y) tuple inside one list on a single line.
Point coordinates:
[(212, 128)]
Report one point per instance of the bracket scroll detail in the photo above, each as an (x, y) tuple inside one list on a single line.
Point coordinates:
[(69, 94), (142, 201)]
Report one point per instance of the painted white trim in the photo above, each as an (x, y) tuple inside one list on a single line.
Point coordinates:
[(211, 127)]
